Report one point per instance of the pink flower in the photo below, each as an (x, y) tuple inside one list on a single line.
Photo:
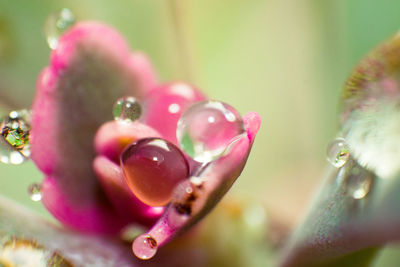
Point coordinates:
[(77, 146)]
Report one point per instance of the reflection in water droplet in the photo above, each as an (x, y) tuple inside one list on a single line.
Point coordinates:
[(56, 24), (207, 128), (144, 247), (338, 152), (127, 109), (14, 138), (35, 192)]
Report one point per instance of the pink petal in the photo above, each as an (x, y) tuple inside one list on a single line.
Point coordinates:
[(112, 137), (90, 69), (85, 216), (125, 202), (165, 105)]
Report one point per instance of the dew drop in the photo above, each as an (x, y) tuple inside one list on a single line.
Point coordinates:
[(144, 247), (338, 152), (35, 192), (56, 24), (152, 168), (207, 128), (359, 183), (127, 109), (14, 139)]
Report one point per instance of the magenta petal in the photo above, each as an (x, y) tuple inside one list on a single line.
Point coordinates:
[(141, 65), (112, 137), (218, 177), (90, 69), (125, 202), (87, 38), (89, 216), (165, 104)]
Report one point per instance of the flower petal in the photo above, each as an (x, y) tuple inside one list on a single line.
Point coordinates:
[(125, 202), (218, 177), (165, 105), (112, 137), (97, 215), (89, 70)]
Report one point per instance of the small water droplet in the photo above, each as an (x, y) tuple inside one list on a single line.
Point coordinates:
[(338, 152), (127, 109), (207, 128), (56, 24), (35, 192), (14, 138), (144, 247), (359, 183)]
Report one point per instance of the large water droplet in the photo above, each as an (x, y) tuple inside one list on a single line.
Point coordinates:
[(144, 247), (207, 128), (338, 152), (56, 24), (35, 192), (14, 139), (152, 168), (127, 109)]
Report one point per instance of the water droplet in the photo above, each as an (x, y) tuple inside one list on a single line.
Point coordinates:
[(127, 109), (14, 139), (152, 168), (207, 128), (144, 247), (165, 105), (338, 152), (359, 183), (35, 192), (56, 24)]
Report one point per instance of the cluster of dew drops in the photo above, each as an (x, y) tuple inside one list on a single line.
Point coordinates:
[(338, 154), (14, 143), (198, 134)]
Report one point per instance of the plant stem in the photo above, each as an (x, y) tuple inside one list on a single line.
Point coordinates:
[(181, 40)]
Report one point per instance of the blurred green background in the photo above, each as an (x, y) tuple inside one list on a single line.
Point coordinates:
[(286, 59)]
